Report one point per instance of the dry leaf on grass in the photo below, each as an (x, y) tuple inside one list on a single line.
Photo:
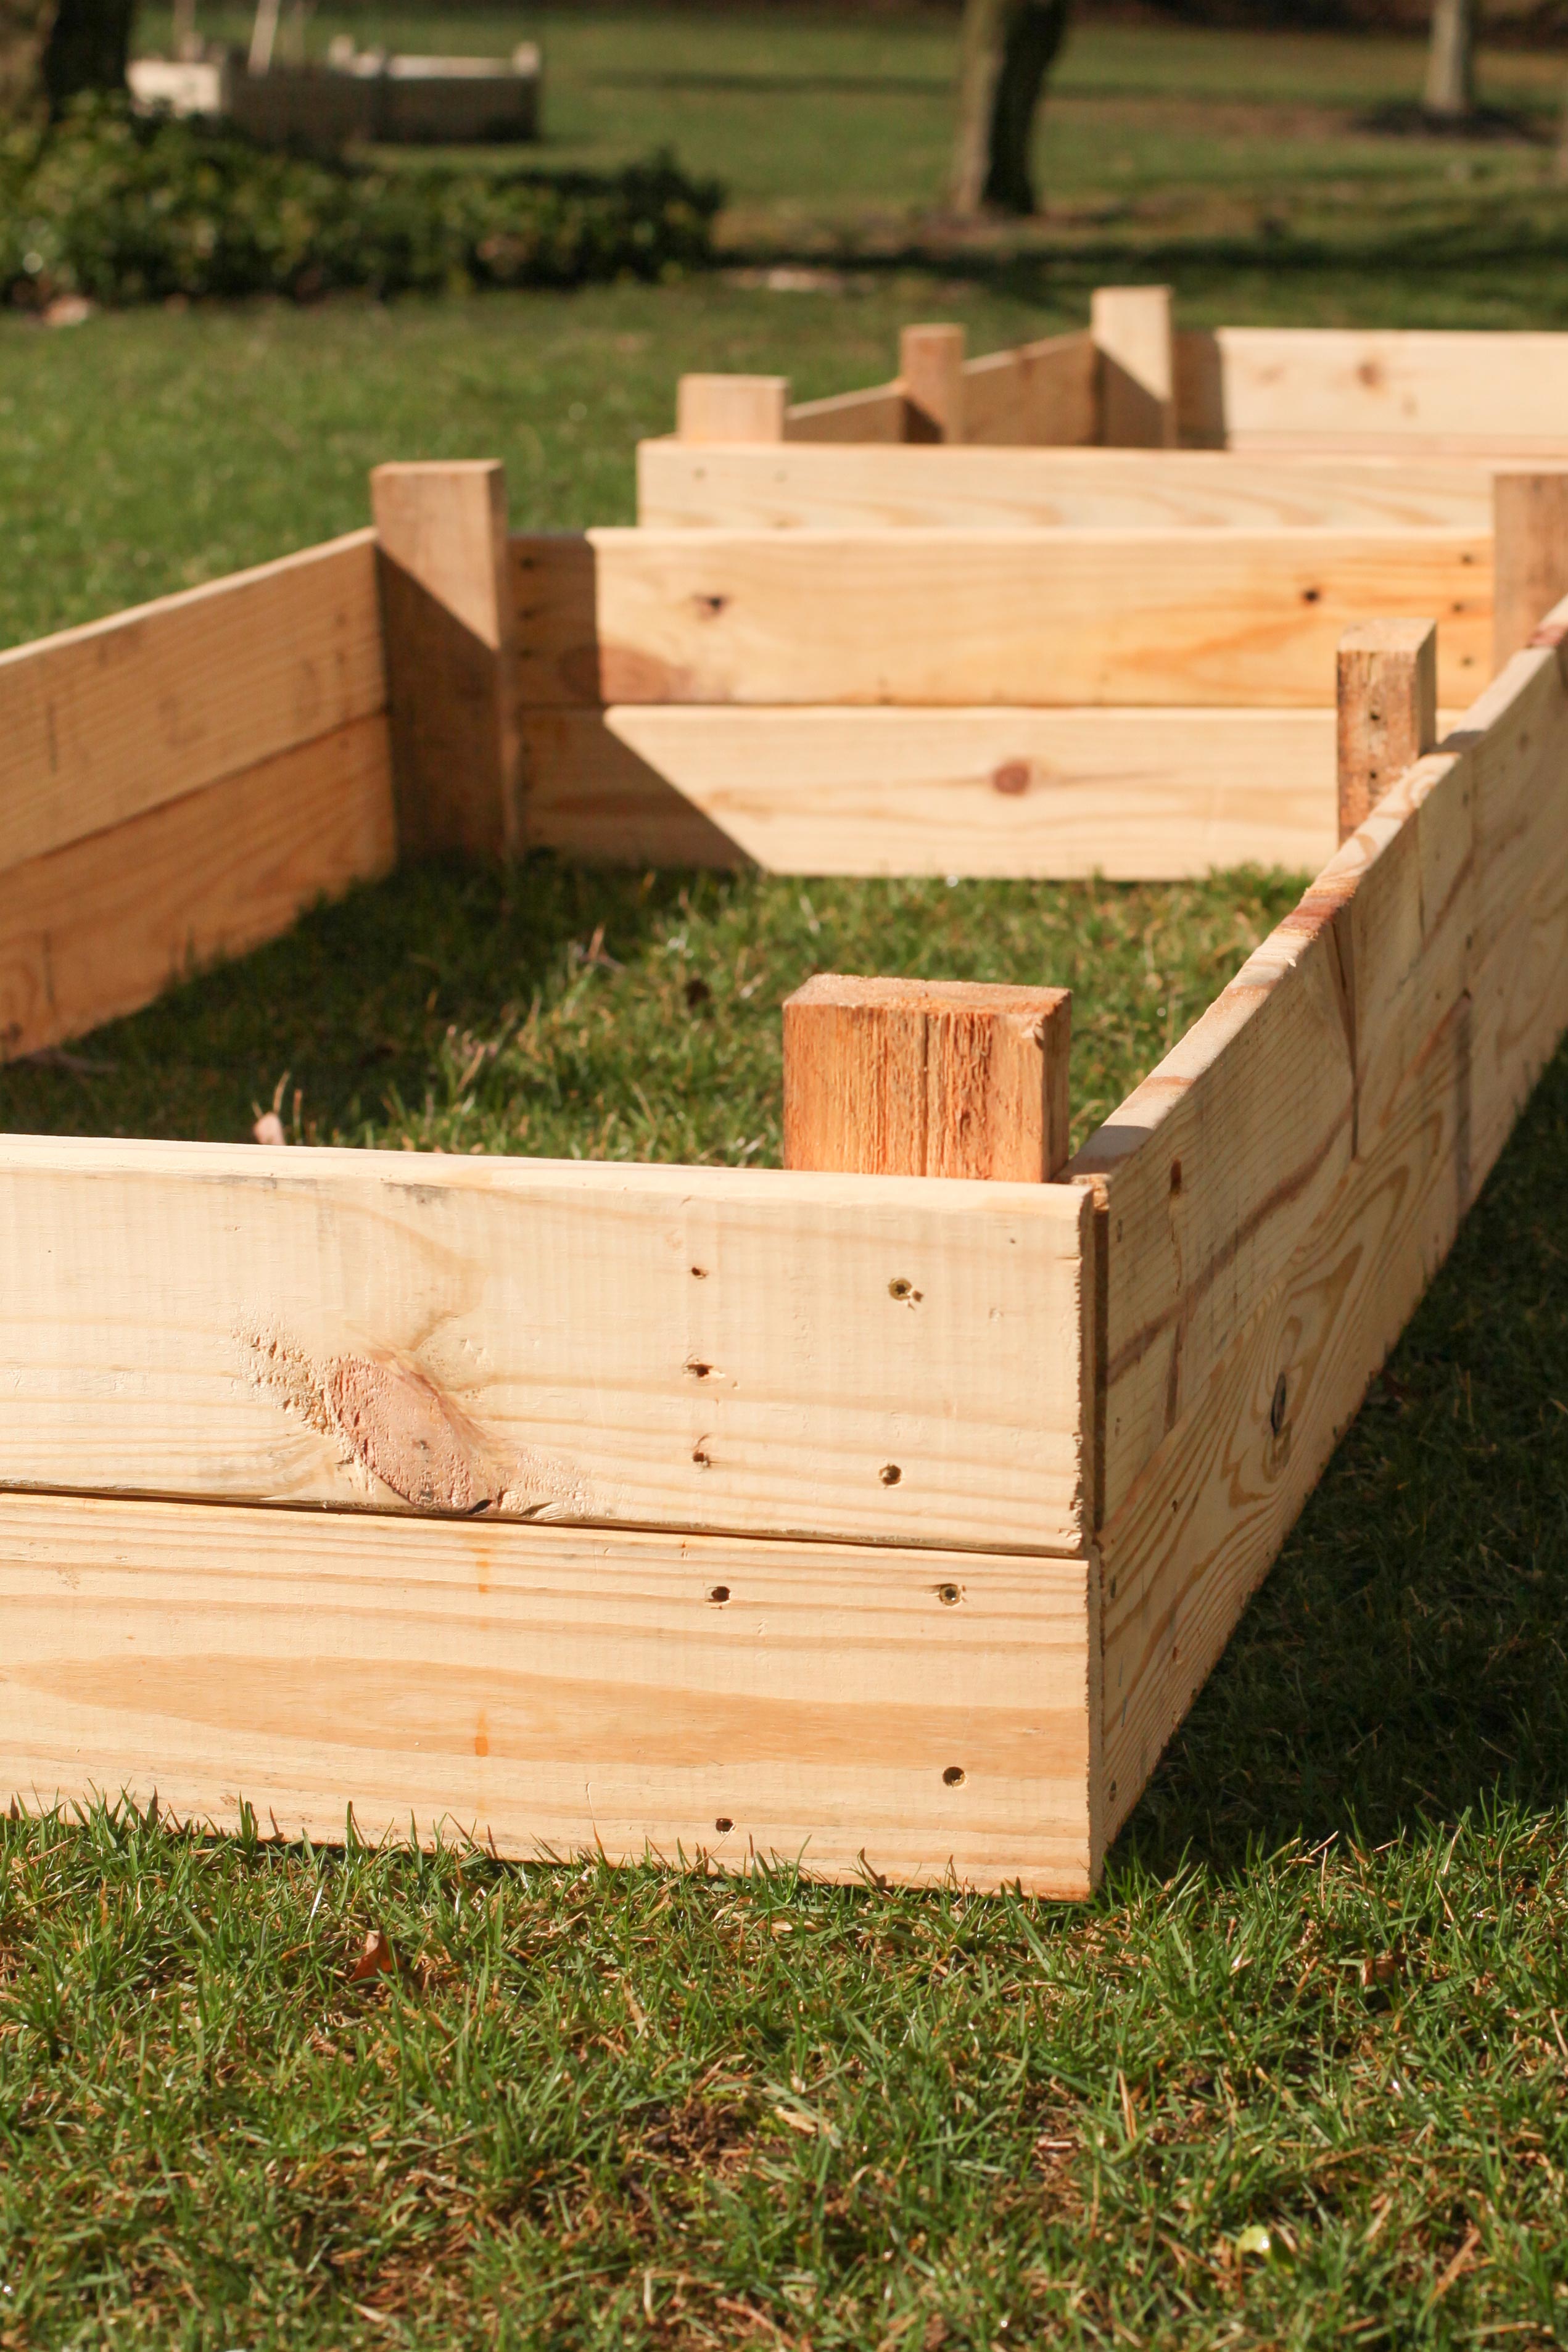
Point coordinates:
[(377, 1958)]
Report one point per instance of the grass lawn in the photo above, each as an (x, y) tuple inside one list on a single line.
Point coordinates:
[(1300, 2074)]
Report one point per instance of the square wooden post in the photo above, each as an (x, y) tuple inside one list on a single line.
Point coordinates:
[(931, 369), (731, 408), (1387, 703), (450, 633), (1136, 343), (915, 1078), (1530, 555)]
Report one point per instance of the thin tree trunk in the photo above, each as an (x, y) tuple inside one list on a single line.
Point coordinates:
[(25, 30), (1451, 62), (1008, 48), (89, 44)]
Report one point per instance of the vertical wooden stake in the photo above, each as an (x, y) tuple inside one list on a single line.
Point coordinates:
[(1133, 335), (1387, 709), (450, 633), (930, 368), (731, 408), (1530, 555), (911, 1077)]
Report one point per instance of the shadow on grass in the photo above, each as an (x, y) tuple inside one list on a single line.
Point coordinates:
[(1406, 1658)]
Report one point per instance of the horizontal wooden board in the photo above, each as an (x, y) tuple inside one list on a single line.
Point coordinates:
[(99, 724), (1397, 386), (920, 1714), (891, 1359), (101, 926), (1041, 392), (879, 414), (944, 487), (1033, 617), (1132, 794)]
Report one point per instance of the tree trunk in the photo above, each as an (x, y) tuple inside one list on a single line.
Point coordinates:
[(1008, 48), (88, 47), (1451, 64), (25, 29)]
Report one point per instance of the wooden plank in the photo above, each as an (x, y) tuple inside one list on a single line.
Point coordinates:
[(1530, 556), (1158, 795), (98, 724), (1388, 708), (1045, 392), (1210, 1173), (931, 369), (744, 1350), (879, 414), (731, 408), (870, 489), (916, 1713), (451, 656), (909, 1078), (1394, 388), (1042, 617), (1132, 330), (100, 926)]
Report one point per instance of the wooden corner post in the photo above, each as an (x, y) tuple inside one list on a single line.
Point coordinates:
[(1529, 557), (1387, 702), (911, 1077), (450, 633), (731, 408), (931, 369), (1133, 336)]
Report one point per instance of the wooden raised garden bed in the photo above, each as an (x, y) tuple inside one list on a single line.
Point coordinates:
[(884, 1511)]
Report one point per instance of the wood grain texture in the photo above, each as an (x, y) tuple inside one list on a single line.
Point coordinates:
[(1387, 709), (719, 1349), (1132, 330), (908, 1077), (1444, 388), (451, 656), (731, 408), (99, 724), (102, 926), (1220, 618), (879, 414), (873, 489), (1530, 555), (931, 369), (1045, 392), (545, 1688), (1132, 794)]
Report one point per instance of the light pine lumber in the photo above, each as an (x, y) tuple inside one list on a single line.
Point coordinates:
[(908, 1077), (710, 408), (99, 724), (1159, 796), (879, 414), (100, 926), (1220, 618), (1445, 389), (752, 1351), (1045, 392), (924, 1715), (1387, 709), (873, 489), (931, 369), (451, 656), (1529, 558), (1131, 326)]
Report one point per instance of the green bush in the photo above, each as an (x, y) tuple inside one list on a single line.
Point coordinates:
[(124, 209)]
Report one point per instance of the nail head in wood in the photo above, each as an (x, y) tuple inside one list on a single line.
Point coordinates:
[(1529, 541), (930, 368), (731, 408), (908, 1077), (1387, 698)]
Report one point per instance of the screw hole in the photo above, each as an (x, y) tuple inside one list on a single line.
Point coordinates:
[(698, 1274), (1175, 1175), (948, 1594), (1277, 1406), (953, 1777), (889, 1473), (718, 1595), (724, 1824)]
